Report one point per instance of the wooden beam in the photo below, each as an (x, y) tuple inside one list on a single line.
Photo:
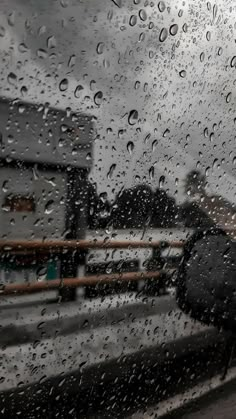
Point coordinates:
[(30, 288), (56, 246)]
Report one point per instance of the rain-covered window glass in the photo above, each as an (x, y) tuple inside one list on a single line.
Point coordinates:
[(117, 208)]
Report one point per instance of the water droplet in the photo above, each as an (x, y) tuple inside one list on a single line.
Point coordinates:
[(51, 42), (163, 35), (161, 181), (206, 132), (5, 186), (23, 90), (202, 56), (63, 85), (220, 50), (11, 78), (214, 163), (77, 92), (166, 132), (48, 209), (21, 108), (185, 28), (130, 147), (212, 137), (22, 47), (161, 6), (208, 35), (151, 172), (174, 29), (88, 156), (228, 97), (42, 53), (182, 73), (98, 98), (142, 14), (133, 117), (233, 62), (42, 30), (137, 85), (215, 9), (117, 3), (111, 171), (154, 145), (100, 47), (11, 19), (71, 61), (2, 31), (133, 20)]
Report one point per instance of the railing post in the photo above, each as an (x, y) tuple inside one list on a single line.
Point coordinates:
[(76, 224), (156, 263)]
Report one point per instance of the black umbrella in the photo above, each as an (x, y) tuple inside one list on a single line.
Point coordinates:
[(206, 285)]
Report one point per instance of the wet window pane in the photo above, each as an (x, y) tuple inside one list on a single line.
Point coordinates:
[(117, 208)]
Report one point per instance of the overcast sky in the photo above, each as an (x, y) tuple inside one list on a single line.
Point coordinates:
[(180, 80)]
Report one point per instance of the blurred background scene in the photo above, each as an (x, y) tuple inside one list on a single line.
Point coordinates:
[(117, 144)]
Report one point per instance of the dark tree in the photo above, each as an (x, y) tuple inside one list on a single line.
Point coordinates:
[(195, 183), (164, 210), (193, 217), (132, 208)]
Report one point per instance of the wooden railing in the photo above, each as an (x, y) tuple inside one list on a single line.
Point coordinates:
[(54, 246), (61, 248)]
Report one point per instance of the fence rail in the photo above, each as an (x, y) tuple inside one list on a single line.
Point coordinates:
[(30, 288), (59, 245)]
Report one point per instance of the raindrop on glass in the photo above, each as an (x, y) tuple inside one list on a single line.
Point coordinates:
[(98, 98), (11, 19), (133, 20), (63, 85), (161, 181), (23, 90), (22, 47), (48, 209), (130, 147), (100, 47), (111, 171), (42, 53), (21, 108), (182, 74), (11, 78), (2, 31), (117, 3), (233, 62), (154, 145), (142, 14), (202, 56), (208, 35), (5, 186), (133, 117), (228, 97), (71, 61), (151, 172), (77, 92), (166, 132), (51, 42), (161, 6), (174, 29), (163, 35)]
